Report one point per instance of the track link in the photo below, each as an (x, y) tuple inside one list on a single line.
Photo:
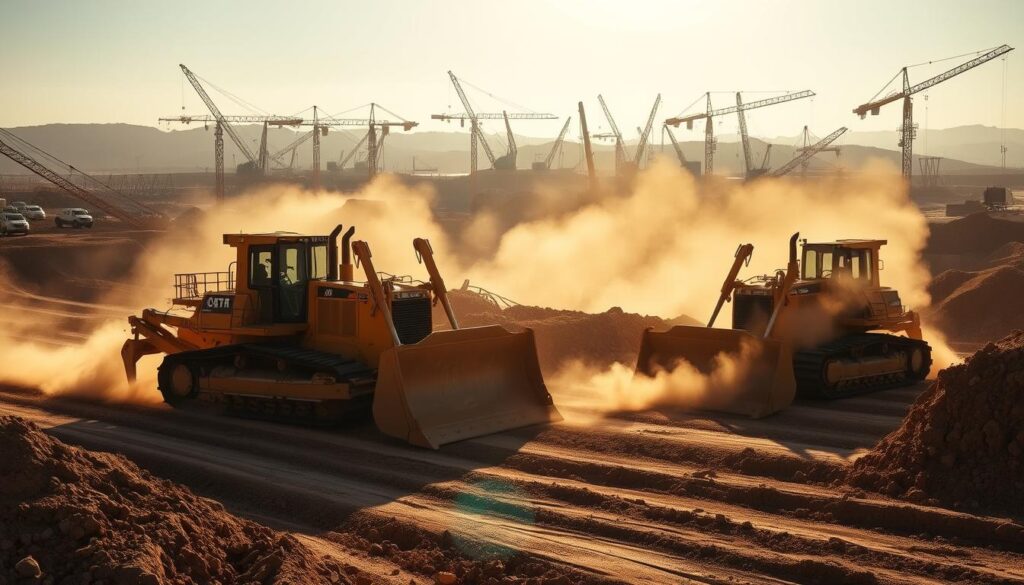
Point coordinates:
[(274, 357), (810, 365)]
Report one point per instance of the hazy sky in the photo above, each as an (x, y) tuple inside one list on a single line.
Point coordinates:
[(117, 61)]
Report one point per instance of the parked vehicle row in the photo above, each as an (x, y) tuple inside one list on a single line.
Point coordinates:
[(16, 217)]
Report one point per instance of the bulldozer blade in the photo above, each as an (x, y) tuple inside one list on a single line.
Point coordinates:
[(765, 383), (459, 384)]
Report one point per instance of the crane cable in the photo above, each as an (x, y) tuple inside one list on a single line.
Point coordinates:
[(888, 83), (497, 98)]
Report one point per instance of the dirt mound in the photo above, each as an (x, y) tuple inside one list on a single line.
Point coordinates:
[(946, 283), (978, 306), (597, 339), (72, 516), (1009, 254), (962, 444), (978, 233)]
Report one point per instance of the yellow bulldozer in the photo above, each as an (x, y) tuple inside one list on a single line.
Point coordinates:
[(824, 327), (287, 333)]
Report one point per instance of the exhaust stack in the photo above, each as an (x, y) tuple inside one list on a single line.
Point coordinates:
[(332, 253), (346, 255)]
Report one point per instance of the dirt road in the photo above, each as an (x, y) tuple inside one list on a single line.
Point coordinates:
[(654, 497)]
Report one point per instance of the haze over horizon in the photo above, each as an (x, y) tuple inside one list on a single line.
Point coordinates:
[(543, 55)]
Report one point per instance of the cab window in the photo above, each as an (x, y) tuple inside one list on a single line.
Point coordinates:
[(259, 267), (318, 262), (860, 264), (826, 265), (810, 265), (292, 274), (292, 268)]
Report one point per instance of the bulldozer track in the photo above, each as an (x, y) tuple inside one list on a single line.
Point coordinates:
[(658, 497), (284, 357), (809, 366)]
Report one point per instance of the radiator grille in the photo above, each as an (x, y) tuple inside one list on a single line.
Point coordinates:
[(412, 319)]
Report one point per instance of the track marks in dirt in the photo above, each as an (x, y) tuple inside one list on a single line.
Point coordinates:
[(618, 502)]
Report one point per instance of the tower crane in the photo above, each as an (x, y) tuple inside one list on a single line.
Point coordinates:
[(225, 123), (676, 146), (620, 145), (291, 149), (646, 134), (806, 153), (555, 148), (908, 130), (508, 162), (351, 153), (134, 216), (587, 150), (222, 122), (476, 133), (809, 143), (374, 140), (709, 135)]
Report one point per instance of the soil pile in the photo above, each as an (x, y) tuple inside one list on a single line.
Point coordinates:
[(72, 516), (978, 233), (962, 443), (981, 305), (562, 336)]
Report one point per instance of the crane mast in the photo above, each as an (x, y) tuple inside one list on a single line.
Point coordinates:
[(352, 152), (587, 149), (808, 144), (316, 149), (908, 131), (620, 147), (748, 166), (676, 146), (513, 150), (558, 144), (710, 143), (291, 148), (646, 134), (808, 152)]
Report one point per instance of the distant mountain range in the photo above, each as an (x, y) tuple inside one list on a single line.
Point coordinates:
[(974, 144), (125, 148)]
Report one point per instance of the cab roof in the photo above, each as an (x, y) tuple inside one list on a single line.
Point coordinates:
[(271, 238), (854, 243)]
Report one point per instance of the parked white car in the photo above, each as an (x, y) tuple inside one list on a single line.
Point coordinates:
[(75, 217), (13, 223), (19, 205), (33, 213)]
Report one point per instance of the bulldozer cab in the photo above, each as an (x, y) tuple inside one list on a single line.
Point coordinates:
[(855, 259), (276, 269)]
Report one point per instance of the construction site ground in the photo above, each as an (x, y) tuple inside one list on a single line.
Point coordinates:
[(657, 497)]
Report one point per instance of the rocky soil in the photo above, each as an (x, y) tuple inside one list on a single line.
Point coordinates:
[(71, 516), (962, 444)]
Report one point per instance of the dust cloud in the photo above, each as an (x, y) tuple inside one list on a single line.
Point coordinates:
[(617, 388), (658, 248), (663, 248)]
